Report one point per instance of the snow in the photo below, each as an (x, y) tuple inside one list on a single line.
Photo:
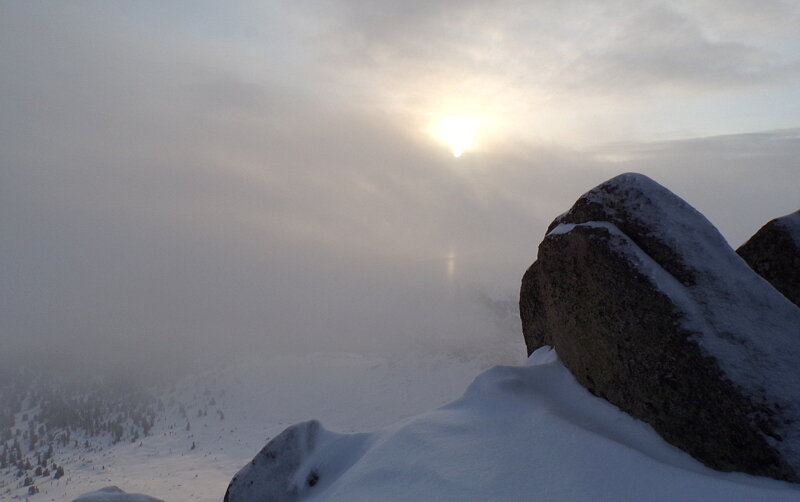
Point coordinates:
[(518, 433), (740, 319), (565, 228), (660, 278), (114, 494), (260, 397), (302, 458), (561, 228)]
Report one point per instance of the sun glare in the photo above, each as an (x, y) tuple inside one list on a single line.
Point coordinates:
[(458, 133)]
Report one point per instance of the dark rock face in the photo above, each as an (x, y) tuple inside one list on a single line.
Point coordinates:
[(774, 253), (296, 465), (273, 474), (649, 308)]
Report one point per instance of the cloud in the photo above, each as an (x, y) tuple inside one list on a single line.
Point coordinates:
[(173, 186), (738, 181), (578, 43), (661, 48), (568, 71)]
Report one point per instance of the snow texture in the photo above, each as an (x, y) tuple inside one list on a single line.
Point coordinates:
[(114, 494), (518, 433), (260, 397), (751, 329)]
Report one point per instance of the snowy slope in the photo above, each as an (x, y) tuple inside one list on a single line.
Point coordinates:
[(518, 433), (258, 398)]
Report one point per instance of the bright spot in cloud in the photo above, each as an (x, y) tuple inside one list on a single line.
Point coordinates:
[(458, 133), (450, 260)]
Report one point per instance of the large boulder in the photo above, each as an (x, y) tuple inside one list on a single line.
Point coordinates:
[(774, 252), (651, 309)]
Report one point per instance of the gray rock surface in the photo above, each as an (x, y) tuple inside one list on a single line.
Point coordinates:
[(774, 253), (649, 307)]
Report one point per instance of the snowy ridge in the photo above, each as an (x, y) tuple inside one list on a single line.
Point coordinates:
[(518, 433), (259, 398)]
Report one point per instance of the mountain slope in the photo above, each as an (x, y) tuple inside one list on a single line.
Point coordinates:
[(231, 410)]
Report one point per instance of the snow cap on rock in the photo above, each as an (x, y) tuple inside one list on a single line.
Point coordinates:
[(649, 307)]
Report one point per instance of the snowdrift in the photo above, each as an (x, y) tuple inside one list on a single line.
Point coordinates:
[(518, 433)]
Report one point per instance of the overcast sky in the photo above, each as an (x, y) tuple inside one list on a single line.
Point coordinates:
[(188, 176)]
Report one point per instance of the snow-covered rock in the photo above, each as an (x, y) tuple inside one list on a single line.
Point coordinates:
[(650, 308), (518, 433), (114, 494), (294, 464), (774, 252)]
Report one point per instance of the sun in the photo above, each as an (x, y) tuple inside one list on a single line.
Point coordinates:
[(458, 133)]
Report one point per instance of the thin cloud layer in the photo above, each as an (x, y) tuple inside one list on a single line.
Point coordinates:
[(570, 71), (184, 180)]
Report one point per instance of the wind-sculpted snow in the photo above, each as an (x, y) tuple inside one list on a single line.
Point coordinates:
[(518, 433), (114, 494)]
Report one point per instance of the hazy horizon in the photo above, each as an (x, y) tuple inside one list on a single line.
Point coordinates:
[(191, 178)]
